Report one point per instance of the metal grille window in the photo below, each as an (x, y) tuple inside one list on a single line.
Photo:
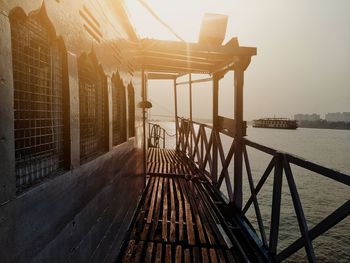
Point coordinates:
[(92, 105), (131, 106), (119, 110), (38, 75)]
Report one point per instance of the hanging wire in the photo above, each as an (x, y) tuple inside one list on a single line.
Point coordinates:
[(162, 107), (150, 10)]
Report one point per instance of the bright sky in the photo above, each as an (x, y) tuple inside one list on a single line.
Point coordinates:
[(303, 62)]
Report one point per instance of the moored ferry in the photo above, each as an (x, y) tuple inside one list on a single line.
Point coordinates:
[(276, 123)]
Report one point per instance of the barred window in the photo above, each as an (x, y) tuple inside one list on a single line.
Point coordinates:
[(131, 109), (92, 108), (119, 110), (40, 89)]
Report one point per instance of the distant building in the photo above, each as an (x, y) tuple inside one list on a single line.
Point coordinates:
[(307, 117), (338, 116)]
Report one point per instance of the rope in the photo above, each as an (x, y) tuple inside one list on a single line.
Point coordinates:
[(170, 135), (155, 128)]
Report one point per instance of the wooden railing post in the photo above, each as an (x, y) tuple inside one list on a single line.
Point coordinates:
[(176, 120), (299, 212), (214, 171), (238, 158), (276, 204), (281, 162), (190, 131), (144, 98)]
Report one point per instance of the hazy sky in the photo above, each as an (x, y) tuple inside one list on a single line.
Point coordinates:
[(303, 61)]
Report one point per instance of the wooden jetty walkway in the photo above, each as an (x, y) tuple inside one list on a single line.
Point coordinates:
[(179, 218)]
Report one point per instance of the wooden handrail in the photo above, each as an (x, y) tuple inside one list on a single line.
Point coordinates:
[(203, 136)]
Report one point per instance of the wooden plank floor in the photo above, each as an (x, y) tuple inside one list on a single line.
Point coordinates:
[(178, 220), (166, 161)]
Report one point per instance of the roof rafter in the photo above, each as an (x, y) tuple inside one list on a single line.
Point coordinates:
[(176, 57)]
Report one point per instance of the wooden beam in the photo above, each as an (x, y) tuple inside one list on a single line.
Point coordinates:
[(194, 81), (161, 76), (225, 65), (214, 57), (175, 107), (196, 47), (180, 57), (210, 58), (190, 93), (327, 223), (144, 98), (167, 60), (276, 205), (238, 116), (161, 62), (214, 171), (171, 69)]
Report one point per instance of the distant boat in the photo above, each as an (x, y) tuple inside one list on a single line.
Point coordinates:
[(276, 123)]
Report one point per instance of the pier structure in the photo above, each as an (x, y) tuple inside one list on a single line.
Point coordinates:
[(183, 215)]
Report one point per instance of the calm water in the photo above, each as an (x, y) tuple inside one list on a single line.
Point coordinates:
[(319, 196)]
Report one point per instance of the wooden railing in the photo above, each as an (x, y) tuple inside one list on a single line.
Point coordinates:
[(203, 145)]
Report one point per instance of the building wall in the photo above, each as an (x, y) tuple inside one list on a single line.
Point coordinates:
[(307, 117), (83, 213), (338, 116)]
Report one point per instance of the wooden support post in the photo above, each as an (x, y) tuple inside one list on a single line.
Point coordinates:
[(239, 69), (190, 132), (144, 98), (238, 159), (276, 205), (190, 91), (175, 107), (214, 171)]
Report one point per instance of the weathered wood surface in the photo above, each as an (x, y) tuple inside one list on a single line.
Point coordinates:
[(167, 162), (178, 220)]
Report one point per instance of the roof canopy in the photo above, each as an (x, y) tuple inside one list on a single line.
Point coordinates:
[(169, 59)]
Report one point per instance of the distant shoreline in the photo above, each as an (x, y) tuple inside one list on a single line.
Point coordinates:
[(323, 124)]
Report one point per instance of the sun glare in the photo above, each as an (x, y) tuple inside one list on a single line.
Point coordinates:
[(184, 17)]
